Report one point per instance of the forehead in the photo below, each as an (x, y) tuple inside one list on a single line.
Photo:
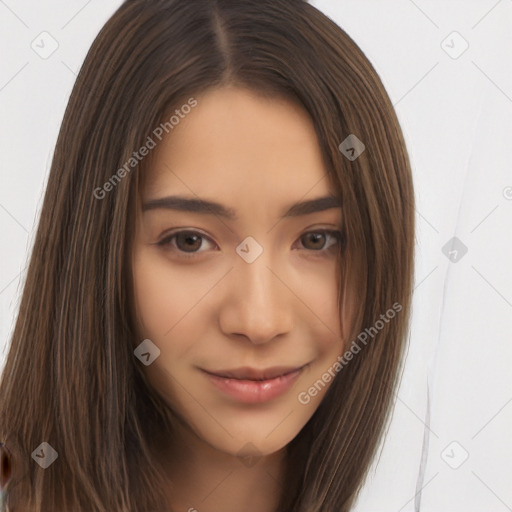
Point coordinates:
[(241, 147)]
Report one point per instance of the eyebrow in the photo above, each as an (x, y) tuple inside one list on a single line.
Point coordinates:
[(187, 204)]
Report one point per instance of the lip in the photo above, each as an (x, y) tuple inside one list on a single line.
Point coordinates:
[(248, 373), (249, 385)]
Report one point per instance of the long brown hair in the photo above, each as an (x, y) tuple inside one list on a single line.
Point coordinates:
[(70, 377)]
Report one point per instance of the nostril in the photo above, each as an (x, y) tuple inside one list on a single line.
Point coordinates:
[(5, 466)]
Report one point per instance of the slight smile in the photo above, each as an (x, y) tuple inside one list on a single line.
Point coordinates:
[(249, 385)]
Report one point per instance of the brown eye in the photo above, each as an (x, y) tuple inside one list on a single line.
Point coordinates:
[(188, 241), (321, 240), (314, 241)]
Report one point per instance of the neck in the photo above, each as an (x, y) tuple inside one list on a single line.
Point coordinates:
[(204, 479)]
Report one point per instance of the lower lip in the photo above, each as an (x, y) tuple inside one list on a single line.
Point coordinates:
[(252, 391)]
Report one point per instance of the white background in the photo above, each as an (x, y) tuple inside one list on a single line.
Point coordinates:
[(456, 114)]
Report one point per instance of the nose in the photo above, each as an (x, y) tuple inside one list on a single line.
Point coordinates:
[(257, 304)]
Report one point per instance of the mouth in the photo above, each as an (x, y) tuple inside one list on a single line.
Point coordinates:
[(251, 386)]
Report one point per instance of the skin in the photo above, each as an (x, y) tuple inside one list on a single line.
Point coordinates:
[(216, 311)]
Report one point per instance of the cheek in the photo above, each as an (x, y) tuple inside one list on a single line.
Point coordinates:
[(327, 327), (151, 297), (168, 297), (319, 291), (169, 309), (162, 294), (160, 302)]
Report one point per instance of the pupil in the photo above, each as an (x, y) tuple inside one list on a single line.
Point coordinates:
[(317, 237), (189, 238)]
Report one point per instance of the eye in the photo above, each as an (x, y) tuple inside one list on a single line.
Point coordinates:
[(321, 240), (186, 241)]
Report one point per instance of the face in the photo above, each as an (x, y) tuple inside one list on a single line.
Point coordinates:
[(239, 296)]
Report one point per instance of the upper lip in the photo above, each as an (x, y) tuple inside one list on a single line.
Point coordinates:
[(247, 373)]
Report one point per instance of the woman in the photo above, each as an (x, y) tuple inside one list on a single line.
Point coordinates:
[(218, 296)]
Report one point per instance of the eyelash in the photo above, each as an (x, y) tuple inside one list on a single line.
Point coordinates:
[(166, 241)]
